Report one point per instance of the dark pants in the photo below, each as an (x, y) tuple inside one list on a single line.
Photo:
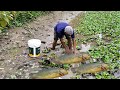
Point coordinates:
[(56, 36), (68, 37)]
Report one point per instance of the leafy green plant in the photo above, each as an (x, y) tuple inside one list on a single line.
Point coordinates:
[(108, 47), (23, 17), (5, 17), (104, 75), (10, 19)]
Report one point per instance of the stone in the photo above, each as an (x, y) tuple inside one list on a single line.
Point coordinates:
[(6, 37), (117, 74)]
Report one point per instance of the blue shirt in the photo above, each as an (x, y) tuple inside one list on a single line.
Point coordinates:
[(59, 29)]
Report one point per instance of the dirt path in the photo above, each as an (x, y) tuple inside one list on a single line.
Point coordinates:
[(14, 49)]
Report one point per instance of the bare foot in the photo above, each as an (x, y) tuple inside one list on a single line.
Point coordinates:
[(52, 48)]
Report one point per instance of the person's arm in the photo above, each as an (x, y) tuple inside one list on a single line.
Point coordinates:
[(63, 43), (74, 45), (55, 39)]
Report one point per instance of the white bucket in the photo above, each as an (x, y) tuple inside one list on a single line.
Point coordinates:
[(34, 47)]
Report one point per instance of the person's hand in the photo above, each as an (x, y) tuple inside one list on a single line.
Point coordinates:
[(68, 51), (52, 48), (75, 51)]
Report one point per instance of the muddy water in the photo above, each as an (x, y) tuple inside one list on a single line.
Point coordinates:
[(14, 48)]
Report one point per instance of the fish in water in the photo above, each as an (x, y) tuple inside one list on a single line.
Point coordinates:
[(90, 68), (71, 58), (50, 73)]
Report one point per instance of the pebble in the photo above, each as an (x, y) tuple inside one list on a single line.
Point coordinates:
[(34, 71), (20, 73), (117, 74), (23, 39), (3, 49), (6, 37), (90, 77), (21, 69), (87, 62), (10, 68), (75, 65), (9, 60), (14, 46), (1, 68), (94, 60), (2, 59), (24, 33), (2, 76), (17, 42), (24, 52), (59, 78), (27, 76), (36, 29), (13, 77), (72, 13), (51, 26), (0, 52), (25, 70), (8, 48), (48, 34)]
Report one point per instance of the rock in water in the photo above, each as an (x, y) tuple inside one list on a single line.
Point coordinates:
[(85, 48), (50, 73)]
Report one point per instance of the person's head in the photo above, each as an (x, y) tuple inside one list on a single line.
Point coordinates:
[(68, 30)]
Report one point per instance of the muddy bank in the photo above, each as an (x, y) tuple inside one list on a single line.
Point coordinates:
[(14, 48)]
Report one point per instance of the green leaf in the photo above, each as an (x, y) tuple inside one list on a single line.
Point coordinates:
[(6, 19), (1, 29), (3, 23)]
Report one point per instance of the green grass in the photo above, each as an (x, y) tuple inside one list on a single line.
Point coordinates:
[(8, 19), (23, 17), (106, 23)]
